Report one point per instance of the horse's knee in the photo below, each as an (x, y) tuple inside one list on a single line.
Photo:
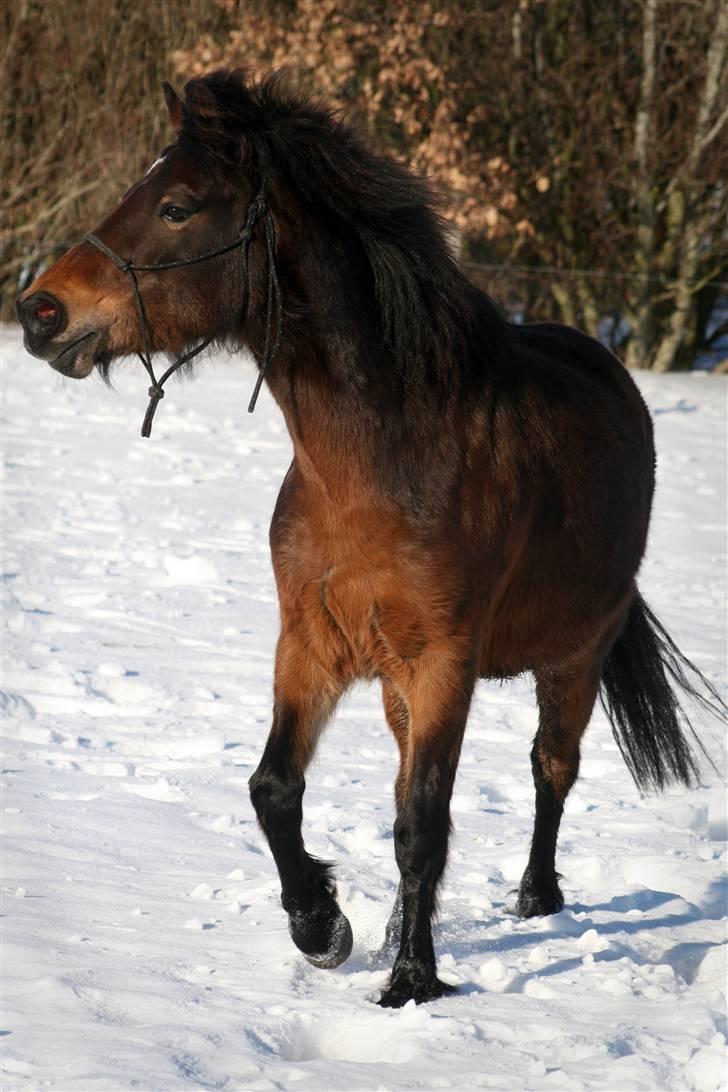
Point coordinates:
[(277, 797)]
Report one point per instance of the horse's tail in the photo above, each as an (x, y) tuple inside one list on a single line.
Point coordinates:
[(640, 679)]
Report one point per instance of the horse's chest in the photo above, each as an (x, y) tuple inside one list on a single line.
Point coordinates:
[(375, 625), (357, 607)]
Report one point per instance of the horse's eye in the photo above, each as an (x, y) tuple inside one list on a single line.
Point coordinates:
[(175, 214)]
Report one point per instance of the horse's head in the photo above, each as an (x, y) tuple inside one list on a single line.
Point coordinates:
[(84, 310)]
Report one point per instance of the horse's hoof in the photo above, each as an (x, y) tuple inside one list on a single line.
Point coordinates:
[(339, 950), (538, 900), (323, 936), (401, 990)]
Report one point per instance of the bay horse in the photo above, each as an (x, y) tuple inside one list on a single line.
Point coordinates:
[(467, 499)]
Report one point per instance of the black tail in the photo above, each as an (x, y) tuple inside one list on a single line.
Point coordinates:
[(639, 679)]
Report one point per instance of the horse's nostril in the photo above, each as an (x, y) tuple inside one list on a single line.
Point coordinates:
[(41, 314), (45, 311)]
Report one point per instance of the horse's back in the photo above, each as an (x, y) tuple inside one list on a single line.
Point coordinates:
[(579, 384), (559, 357)]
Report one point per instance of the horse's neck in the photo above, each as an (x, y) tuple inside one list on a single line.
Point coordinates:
[(359, 444), (354, 413), (332, 446)]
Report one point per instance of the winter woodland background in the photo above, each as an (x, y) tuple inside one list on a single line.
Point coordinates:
[(583, 145)]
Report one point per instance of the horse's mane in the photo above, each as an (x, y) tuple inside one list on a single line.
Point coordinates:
[(429, 313)]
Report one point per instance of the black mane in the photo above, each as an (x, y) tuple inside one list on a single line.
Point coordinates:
[(431, 318)]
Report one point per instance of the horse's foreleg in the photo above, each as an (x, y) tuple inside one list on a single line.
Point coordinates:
[(304, 701), (421, 830), (565, 701)]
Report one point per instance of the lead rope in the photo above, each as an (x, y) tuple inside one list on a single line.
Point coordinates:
[(273, 303), (270, 347)]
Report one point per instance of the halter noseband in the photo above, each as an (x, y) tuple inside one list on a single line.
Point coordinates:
[(256, 209)]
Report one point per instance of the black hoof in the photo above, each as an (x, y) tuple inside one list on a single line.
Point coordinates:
[(538, 898), (401, 990), (323, 934)]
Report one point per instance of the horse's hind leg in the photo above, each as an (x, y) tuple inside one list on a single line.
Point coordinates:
[(305, 698), (565, 700)]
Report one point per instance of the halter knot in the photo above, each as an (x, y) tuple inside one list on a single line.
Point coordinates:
[(156, 392)]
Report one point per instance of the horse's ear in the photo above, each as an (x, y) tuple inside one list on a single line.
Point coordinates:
[(174, 105)]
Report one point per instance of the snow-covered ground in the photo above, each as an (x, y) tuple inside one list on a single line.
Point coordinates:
[(144, 944)]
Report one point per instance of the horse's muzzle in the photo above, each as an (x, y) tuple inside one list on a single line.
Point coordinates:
[(43, 317)]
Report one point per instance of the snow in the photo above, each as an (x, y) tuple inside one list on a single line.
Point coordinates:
[(144, 943)]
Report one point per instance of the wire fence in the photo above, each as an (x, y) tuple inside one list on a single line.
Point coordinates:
[(586, 274), (525, 293)]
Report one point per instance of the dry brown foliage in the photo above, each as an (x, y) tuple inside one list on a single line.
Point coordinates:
[(393, 69), (81, 113)]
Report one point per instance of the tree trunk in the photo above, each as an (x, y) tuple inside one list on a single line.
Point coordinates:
[(642, 319)]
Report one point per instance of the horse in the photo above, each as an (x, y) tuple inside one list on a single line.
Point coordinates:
[(468, 498)]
